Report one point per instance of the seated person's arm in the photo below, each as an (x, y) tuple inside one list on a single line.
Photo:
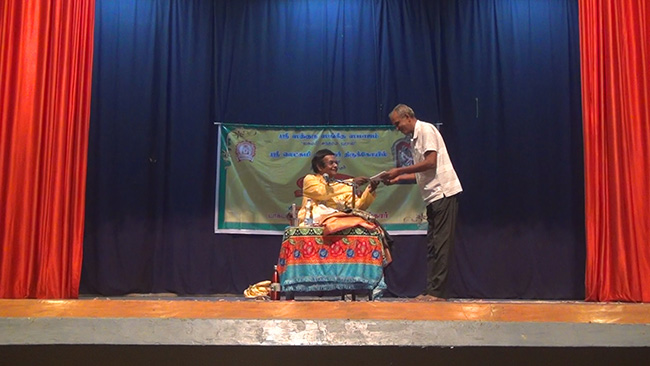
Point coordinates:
[(368, 196), (314, 187)]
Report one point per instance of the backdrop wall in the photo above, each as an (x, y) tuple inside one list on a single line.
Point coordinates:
[(502, 76)]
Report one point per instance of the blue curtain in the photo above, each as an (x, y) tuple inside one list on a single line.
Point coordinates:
[(502, 76)]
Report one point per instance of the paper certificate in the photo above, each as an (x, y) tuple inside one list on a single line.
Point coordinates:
[(378, 175)]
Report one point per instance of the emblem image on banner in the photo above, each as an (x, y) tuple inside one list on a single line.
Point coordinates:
[(402, 152), (245, 150)]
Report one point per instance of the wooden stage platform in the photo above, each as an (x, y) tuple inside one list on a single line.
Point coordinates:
[(239, 331)]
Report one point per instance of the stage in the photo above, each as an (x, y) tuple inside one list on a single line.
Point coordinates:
[(239, 330)]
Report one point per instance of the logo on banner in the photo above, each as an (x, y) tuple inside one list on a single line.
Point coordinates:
[(245, 150), (402, 152)]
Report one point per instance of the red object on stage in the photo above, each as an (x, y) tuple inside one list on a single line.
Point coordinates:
[(275, 284)]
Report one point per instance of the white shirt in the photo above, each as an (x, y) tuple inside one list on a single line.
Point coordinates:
[(438, 183)]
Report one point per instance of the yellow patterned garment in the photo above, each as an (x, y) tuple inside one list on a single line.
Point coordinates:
[(334, 195)]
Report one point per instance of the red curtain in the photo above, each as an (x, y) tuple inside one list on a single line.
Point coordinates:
[(45, 80), (615, 62)]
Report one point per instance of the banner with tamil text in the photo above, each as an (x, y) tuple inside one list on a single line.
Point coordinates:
[(260, 171)]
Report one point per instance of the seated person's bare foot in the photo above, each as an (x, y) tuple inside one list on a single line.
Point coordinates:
[(428, 298)]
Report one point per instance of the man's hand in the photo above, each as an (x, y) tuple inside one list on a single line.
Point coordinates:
[(390, 182), (393, 176), (373, 184), (390, 175), (360, 180)]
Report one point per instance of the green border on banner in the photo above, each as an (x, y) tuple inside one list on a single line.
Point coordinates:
[(280, 228)]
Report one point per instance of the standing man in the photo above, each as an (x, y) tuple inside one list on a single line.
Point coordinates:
[(439, 186)]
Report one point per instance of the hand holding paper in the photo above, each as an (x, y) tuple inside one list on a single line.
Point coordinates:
[(378, 176)]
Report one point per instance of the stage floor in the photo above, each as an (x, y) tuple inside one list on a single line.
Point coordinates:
[(235, 321)]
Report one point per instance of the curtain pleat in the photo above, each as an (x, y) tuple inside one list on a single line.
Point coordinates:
[(45, 84), (616, 85)]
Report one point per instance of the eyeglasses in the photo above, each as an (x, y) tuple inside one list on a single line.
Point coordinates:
[(332, 162)]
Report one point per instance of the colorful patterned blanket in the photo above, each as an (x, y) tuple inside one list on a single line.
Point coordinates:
[(350, 259)]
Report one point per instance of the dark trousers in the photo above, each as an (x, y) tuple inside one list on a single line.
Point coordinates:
[(441, 215)]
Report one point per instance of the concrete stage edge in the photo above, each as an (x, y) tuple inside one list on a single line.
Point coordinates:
[(380, 332)]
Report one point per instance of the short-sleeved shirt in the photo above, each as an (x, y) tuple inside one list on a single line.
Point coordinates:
[(443, 181)]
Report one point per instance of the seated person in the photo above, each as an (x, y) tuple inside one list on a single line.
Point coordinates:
[(337, 207), (330, 196)]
